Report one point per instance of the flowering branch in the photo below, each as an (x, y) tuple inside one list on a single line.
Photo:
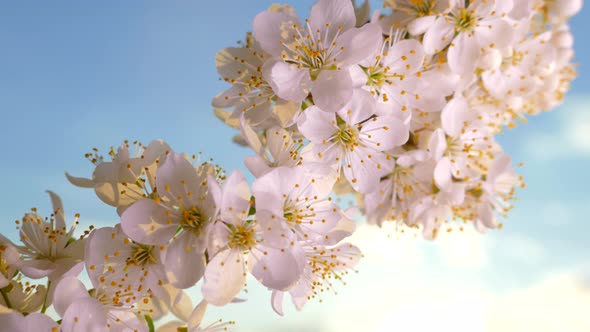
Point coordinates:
[(398, 109)]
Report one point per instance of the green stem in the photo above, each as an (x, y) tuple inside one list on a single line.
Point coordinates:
[(44, 308), (150, 323), (6, 299)]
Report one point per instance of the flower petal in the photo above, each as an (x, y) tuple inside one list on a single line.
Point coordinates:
[(336, 13), (438, 36), (68, 291), (184, 261), (359, 43), (275, 268), (147, 222), (463, 54), (270, 27), (317, 125), (287, 80), (384, 133), (332, 90), (225, 277)]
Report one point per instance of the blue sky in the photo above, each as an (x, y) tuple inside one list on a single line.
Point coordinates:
[(75, 75)]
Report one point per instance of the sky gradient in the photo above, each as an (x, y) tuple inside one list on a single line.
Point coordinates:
[(77, 75)]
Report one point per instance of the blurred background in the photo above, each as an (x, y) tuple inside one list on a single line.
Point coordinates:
[(76, 75)]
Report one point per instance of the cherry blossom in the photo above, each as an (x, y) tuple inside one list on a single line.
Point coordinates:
[(238, 245), (182, 212), (313, 57), (353, 140), (469, 26)]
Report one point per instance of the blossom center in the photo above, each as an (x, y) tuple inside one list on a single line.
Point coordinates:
[(422, 7), (465, 20), (242, 237), (347, 135), (193, 220), (141, 255), (313, 50)]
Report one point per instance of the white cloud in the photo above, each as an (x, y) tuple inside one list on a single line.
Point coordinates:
[(388, 246), (558, 303), (571, 137), (520, 248)]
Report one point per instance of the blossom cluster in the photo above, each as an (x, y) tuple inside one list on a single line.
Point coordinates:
[(403, 104), (182, 222), (397, 109)]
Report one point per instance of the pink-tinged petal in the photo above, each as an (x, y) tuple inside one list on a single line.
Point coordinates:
[(317, 125), (345, 227), (115, 194), (11, 320), (361, 107), (184, 261), (323, 177), (500, 165), (102, 242), (15, 321), (225, 277), (286, 112), (37, 269), (438, 144), (438, 36), (505, 7), (384, 133), (442, 174), (269, 28), (275, 230), (421, 25), (275, 268), (564, 8), (287, 80), (276, 300), (156, 149), (177, 177), (336, 13), (256, 165), (250, 136), (235, 199), (329, 154), (267, 190), (359, 44), (486, 218), (277, 142), (231, 61), (68, 291), (171, 327), (215, 192), (197, 315), (126, 321), (455, 115), (361, 176), (463, 54), (332, 90), (348, 256), (405, 57), (326, 217), (147, 222), (496, 33), (181, 304), (36, 322), (358, 76), (80, 182), (106, 172)]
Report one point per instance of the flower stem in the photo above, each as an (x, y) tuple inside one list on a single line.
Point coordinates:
[(6, 299), (44, 308), (150, 323)]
